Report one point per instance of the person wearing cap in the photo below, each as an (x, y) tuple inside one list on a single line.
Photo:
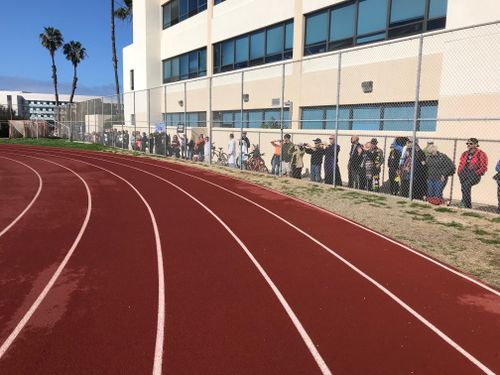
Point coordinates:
[(330, 151), (473, 165), (378, 161), (317, 152), (354, 162)]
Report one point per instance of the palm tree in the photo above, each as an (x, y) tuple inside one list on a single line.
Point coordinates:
[(123, 12), (75, 53), (52, 39)]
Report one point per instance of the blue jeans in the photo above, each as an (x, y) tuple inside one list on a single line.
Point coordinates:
[(316, 173), (275, 162), (435, 188)]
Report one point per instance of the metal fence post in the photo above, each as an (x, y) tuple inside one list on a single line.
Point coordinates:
[(210, 139), (339, 67), (454, 163), (148, 96), (102, 116), (241, 121), (185, 117), (135, 119), (282, 119), (415, 115), (165, 116)]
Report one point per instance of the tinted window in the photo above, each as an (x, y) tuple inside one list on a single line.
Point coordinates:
[(399, 117), (257, 41), (372, 15), (289, 35), (437, 8), (316, 28), (242, 46), (404, 10), (228, 53), (366, 118), (428, 111), (189, 65), (312, 118), (255, 119), (274, 40), (342, 22)]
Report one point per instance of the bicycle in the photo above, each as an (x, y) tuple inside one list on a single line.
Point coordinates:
[(219, 157), (254, 161)]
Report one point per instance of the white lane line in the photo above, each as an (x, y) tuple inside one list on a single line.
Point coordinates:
[(403, 246), (160, 324), (8, 342), (40, 186), (423, 320), (293, 317)]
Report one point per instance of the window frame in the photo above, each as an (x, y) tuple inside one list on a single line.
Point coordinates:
[(175, 61), (284, 54), (381, 119), (394, 31)]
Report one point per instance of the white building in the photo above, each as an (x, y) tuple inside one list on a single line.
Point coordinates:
[(209, 62), (35, 106), (179, 40)]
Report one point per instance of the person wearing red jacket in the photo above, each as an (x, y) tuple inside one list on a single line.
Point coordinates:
[(473, 164)]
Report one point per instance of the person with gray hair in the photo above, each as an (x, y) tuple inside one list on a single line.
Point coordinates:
[(439, 168)]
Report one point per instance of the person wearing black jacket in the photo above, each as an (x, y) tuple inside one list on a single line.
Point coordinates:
[(354, 161), (317, 152), (393, 165)]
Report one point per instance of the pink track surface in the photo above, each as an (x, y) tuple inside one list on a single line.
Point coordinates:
[(221, 316)]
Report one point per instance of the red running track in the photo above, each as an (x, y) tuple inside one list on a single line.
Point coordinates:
[(345, 300)]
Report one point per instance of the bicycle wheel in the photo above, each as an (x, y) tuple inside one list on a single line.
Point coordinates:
[(262, 167)]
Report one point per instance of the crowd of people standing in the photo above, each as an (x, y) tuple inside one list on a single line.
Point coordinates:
[(421, 172)]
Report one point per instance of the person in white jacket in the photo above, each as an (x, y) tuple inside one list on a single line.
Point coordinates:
[(231, 151), (207, 149)]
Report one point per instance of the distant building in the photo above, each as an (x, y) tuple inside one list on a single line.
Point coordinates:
[(35, 106)]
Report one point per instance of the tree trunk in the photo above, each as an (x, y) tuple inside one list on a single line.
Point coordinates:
[(54, 78), (115, 61), (73, 86)]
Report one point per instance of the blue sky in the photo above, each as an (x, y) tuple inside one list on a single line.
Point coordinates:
[(25, 64)]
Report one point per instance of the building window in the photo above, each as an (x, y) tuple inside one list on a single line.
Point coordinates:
[(176, 11), (366, 21), (192, 119), (218, 1), (132, 85), (255, 118), (273, 43), (189, 65), (384, 116)]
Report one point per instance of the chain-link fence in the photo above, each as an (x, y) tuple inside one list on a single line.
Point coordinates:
[(415, 117)]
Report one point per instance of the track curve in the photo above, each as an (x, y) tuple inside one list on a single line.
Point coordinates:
[(347, 317)]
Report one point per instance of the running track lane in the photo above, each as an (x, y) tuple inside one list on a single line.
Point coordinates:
[(93, 320), (19, 186), (413, 255), (211, 312), (29, 251)]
